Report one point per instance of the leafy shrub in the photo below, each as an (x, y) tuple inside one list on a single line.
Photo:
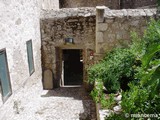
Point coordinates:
[(143, 97), (148, 73), (119, 70), (138, 100), (144, 93), (114, 116), (99, 71), (137, 46), (99, 96), (158, 1), (152, 34), (95, 71), (108, 103), (97, 92), (135, 100), (115, 70)]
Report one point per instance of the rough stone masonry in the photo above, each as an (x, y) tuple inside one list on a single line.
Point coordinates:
[(56, 25), (93, 31), (114, 27), (98, 29), (18, 24)]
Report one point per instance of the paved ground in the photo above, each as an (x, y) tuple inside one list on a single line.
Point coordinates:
[(58, 104)]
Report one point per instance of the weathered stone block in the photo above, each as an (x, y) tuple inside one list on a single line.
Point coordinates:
[(50, 4), (48, 79), (135, 23), (99, 37), (100, 13), (102, 26)]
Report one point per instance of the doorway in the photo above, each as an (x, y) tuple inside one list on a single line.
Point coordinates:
[(72, 67)]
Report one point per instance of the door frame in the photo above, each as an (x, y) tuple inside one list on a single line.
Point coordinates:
[(69, 47), (62, 75)]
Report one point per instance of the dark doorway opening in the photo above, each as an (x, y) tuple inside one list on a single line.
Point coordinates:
[(72, 67)]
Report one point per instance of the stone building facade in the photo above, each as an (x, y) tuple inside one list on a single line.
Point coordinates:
[(49, 4), (113, 4), (19, 23), (114, 27), (23, 23), (78, 24), (93, 30), (138, 3)]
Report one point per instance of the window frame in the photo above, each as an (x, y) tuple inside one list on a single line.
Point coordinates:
[(5, 98), (33, 70)]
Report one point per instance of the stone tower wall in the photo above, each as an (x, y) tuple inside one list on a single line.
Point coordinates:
[(137, 3), (19, 22), (98, 31), (113, 4), (49, 4), (114, 27)]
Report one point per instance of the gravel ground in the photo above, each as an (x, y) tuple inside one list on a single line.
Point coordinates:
[(33, 103)]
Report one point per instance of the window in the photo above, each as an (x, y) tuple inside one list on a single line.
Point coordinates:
[(4, 76), (30, 57)]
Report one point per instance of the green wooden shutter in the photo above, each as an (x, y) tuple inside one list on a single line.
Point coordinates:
[(30, 57), (4, 76)]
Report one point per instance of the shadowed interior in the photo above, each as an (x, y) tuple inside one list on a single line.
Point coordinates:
[(73, 67)]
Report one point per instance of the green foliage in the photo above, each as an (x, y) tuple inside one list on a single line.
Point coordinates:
[(158, 1), (119, 64), (94, 72), (99, 97), (97, 92), (114, 116), (144, 96), (152, 34), (134, 100), (137, 46), (108, 103), (95, 95), (138, 100), (141, 63), (148, 73), (116, 66)]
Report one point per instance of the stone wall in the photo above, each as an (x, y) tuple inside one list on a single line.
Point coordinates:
[(19, 22), (68, 12), (113, 4), (57, 25), (113, 27), (92, 30), (137, 3), (50, 4)]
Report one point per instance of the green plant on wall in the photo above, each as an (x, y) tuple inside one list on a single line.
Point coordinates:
[(97, 92), (133, 98), (140, 64), (143, 97), (148, 73), (114, 70), (108, 103), (119, 68), (158, 1), (99, 96)]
